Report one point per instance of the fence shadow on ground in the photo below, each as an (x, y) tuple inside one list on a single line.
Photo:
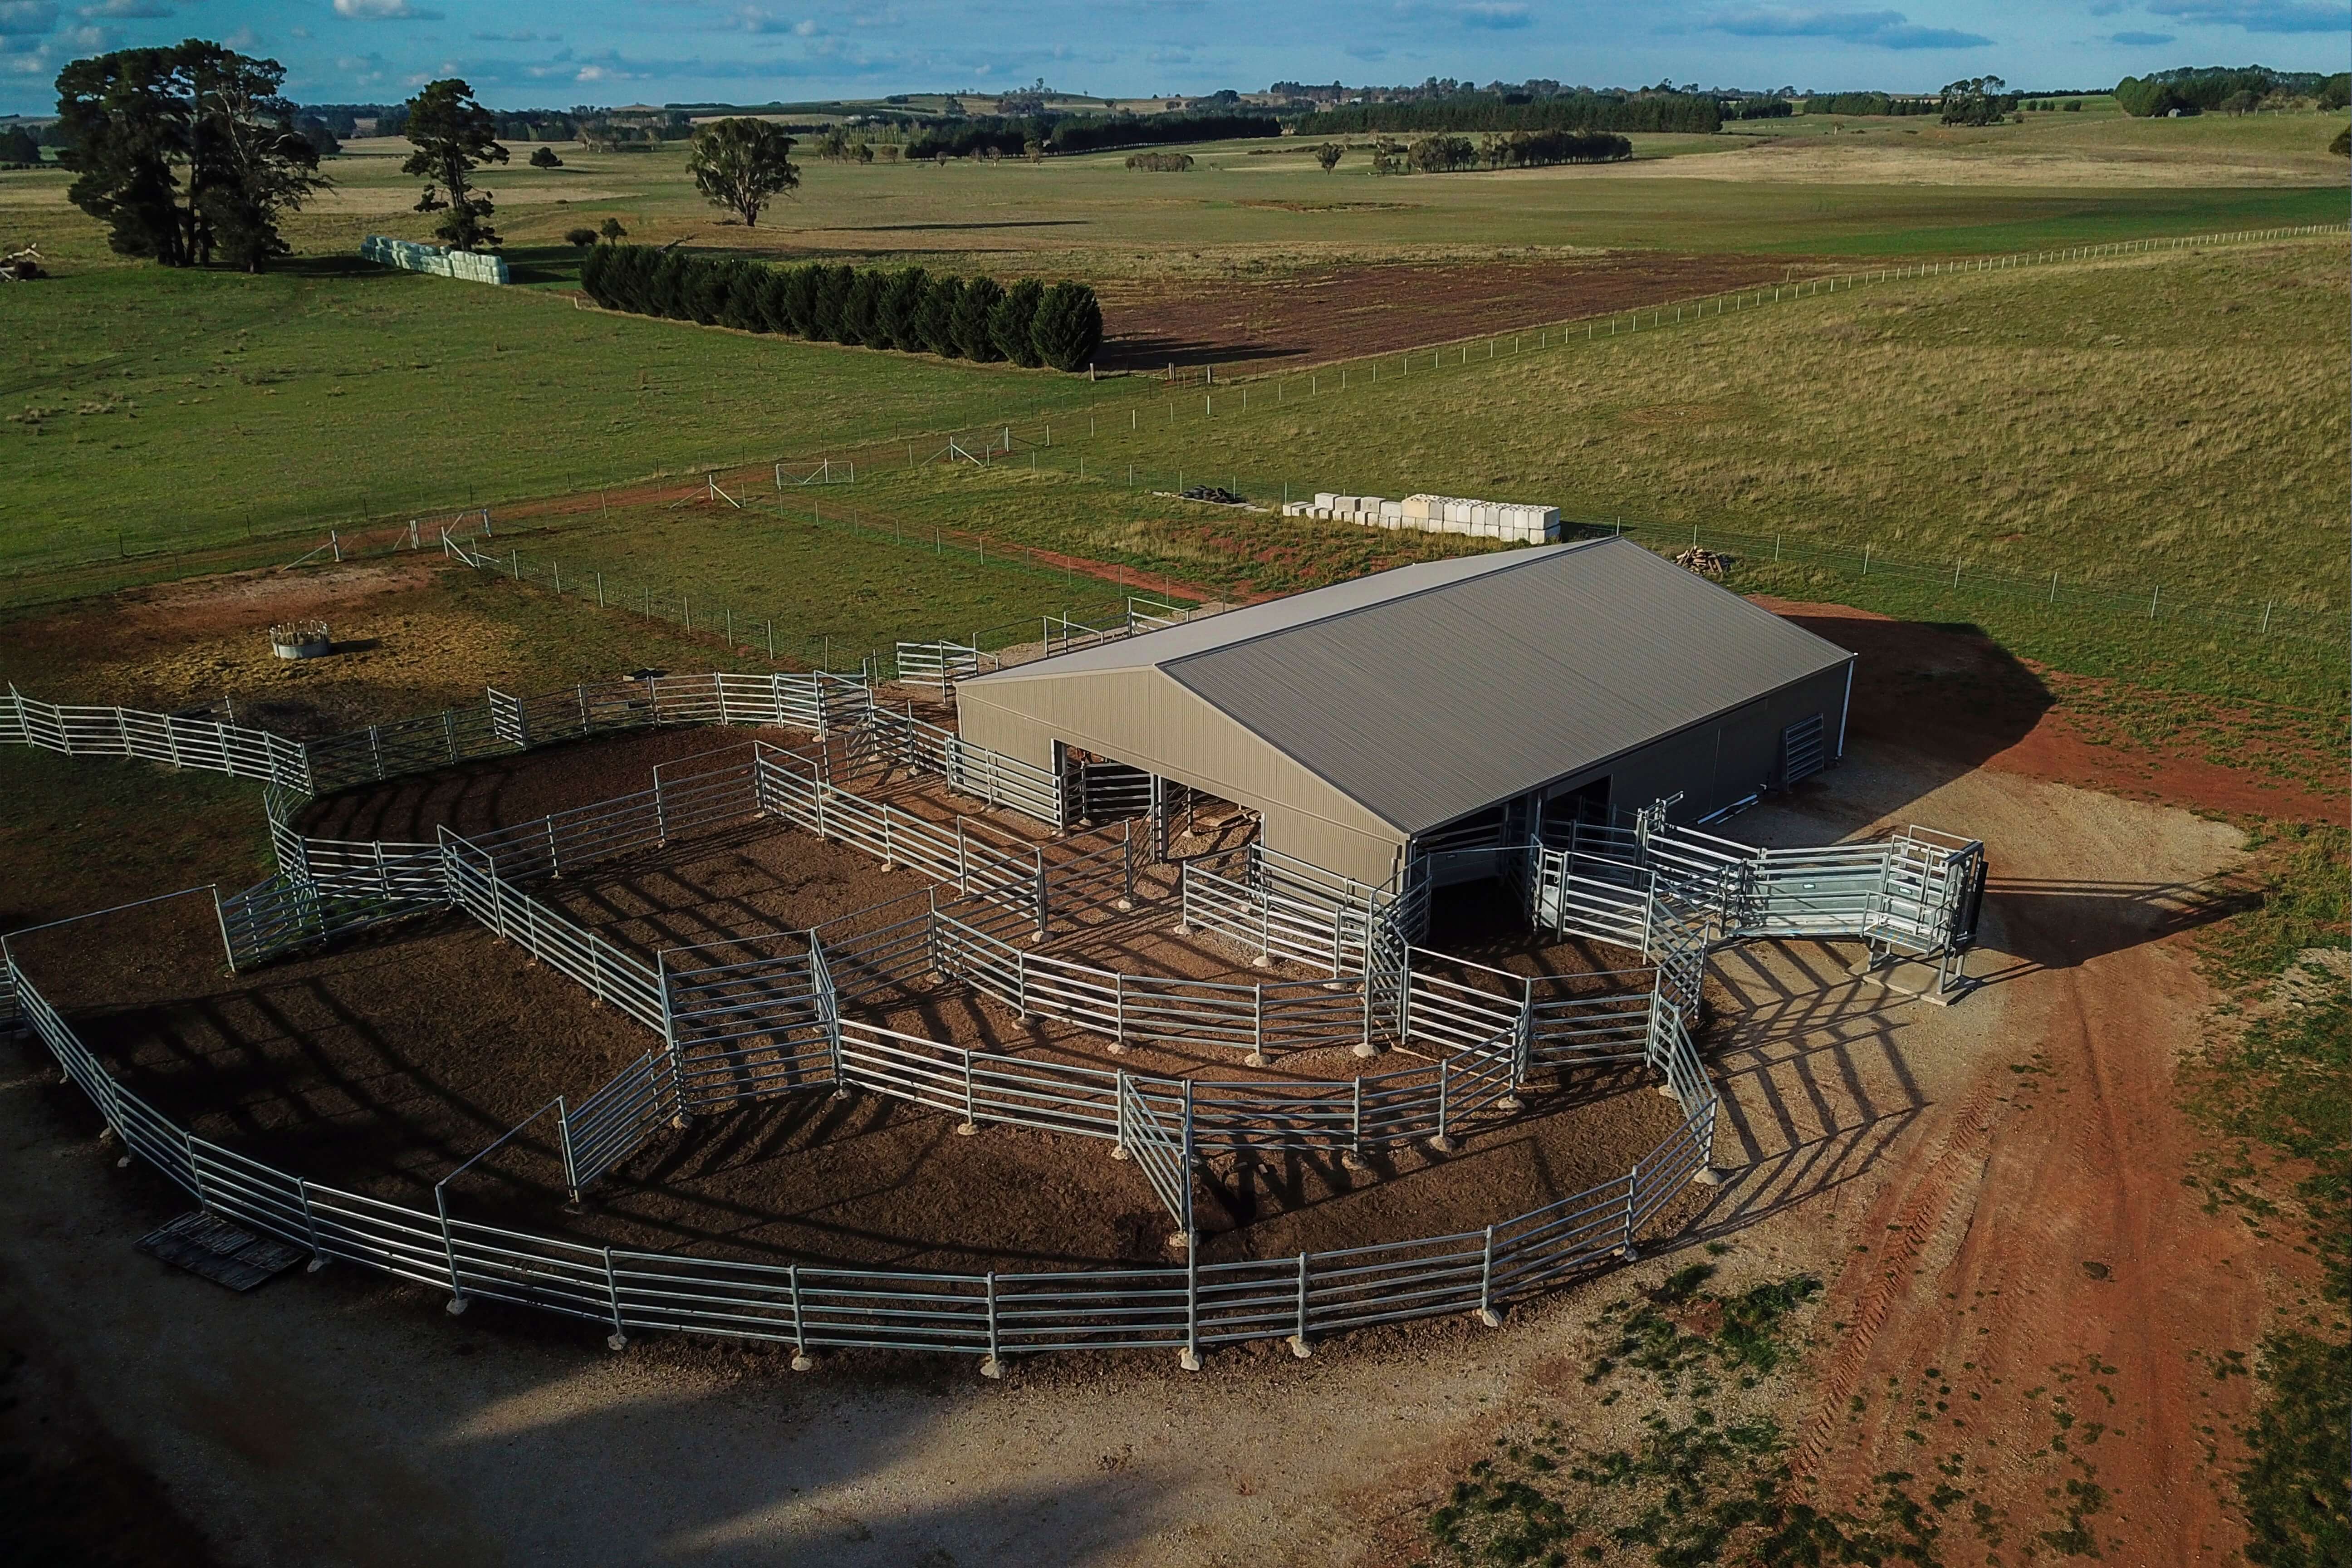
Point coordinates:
[(1814, 1084)]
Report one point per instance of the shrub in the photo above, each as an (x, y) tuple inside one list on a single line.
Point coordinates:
[(861, 309), (747, 297), (830, 306), (975, 319), (581, 238), (937, 319), (545, 158), (1010, 322), (898, 312), (667, 290), (1068, 326), (1161, 162), (593, 267), (612, 229)]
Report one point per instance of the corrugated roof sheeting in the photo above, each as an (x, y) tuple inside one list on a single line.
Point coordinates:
[(1431, 691)]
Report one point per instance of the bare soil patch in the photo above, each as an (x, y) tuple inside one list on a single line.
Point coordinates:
[(1343, 311), (1958, 697), (382, 1066)]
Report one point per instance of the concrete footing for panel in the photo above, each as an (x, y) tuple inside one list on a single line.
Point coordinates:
[(122, 1163), (991, 1366), (1491, 1317), (1118, 1151), (1708, 1176), (617, 1342), (1351, 1160), (1300, 1348), (456, 1306), (1124, 906), (1255, 1060), (1364, 1048), (1629, 1253), (317, 1261), (1189, 1359), (1442, 1144), (1180, 1241), (804, 1361), (967, 1129), (1510, 1105)]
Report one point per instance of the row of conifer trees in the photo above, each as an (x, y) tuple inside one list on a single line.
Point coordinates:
[(905, 309)]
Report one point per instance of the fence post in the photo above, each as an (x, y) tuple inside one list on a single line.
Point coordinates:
[(1189, 1358), (1633, 1192), (802, 1359), (1353, 1157), (1042, 913), (1439, 1140), (968, 1125), (448, 1251), (992, 1365), (311, 1226), (1298, 1345), (1486, 1313), (617, 1340), (669, 1033), (1118, 1011)]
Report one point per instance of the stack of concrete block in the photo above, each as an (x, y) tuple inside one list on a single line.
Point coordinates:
[(1436, 514)]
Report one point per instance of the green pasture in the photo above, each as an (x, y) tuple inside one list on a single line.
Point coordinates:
[(828, 590), (148, 409), (2171, 418)]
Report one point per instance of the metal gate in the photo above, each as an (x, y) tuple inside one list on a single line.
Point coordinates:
[(1803, 751), (747, 1030), (1109, 791), (507, 720)]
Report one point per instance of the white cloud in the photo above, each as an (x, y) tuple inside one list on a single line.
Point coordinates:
[(2256, 15), (127, 10), (26, 19), (383, 11), (1877, 29)]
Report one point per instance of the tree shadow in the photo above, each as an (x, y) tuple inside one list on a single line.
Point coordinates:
[(1144, 353)]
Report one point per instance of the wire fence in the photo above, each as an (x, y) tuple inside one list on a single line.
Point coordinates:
[(364, 528)]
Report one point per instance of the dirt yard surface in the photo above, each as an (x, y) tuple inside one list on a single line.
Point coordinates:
[(1855, 1110), (1352, 310), (1958, 696), (383, 1067)]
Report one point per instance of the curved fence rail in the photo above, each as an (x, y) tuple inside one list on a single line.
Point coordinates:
[(735, 1029)]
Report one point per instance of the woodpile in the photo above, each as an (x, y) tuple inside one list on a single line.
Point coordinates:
[(1706, 562)]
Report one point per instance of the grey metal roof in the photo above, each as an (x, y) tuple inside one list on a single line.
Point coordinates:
[(1433, 691)]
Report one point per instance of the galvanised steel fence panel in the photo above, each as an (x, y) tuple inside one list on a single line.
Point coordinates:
[(1574, 1233), (1128, 1309), (1303, 1015), (1572, 1030), (609, 1126), (1311, 1116), (11, 720), (749, 1030), (891, 1310), (1448, 1013), (610, 974), (527, 1271), (247, 1193), (1358, 1286), (1661, 1175), (402, 1242), (1160, 1148)]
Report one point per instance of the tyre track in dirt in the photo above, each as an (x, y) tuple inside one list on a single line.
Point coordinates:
[(2053, 1280), (1923, 1211)]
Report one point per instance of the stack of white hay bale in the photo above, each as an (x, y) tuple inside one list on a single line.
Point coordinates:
[(1436, 514)]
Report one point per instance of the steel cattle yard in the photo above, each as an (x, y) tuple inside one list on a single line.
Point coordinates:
[(782, 1014)]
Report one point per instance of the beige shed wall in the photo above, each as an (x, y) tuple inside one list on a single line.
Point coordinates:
[(1143, 719)]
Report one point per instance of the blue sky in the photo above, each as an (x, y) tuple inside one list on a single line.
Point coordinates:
[(524, 53)]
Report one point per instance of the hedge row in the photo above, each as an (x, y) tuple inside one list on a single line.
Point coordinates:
[(907, 309)]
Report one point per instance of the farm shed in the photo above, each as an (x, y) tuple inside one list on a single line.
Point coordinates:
[(1445, 704)]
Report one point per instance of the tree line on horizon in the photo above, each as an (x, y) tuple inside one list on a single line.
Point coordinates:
[(906, 309), (1581, 111)]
